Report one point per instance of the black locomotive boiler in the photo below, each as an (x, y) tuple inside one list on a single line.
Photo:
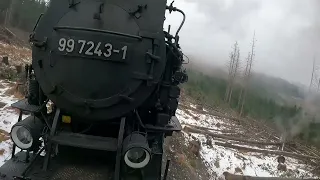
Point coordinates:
[(111, 75)]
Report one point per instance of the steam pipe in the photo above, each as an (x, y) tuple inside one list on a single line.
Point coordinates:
[(184, 19), (171, 8)]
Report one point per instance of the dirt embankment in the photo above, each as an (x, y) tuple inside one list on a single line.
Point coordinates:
[(186, 163), (13, 56), (14, 36)]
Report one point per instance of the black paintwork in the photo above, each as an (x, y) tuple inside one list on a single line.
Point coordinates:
[(93, 88)]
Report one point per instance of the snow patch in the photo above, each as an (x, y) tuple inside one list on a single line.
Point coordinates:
[(8, 117), (220, 159)]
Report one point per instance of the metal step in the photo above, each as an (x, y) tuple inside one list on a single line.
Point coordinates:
[(85, 141), (174, 125), (25, 106)]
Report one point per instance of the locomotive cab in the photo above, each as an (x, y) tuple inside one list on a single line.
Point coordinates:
[(103, 91)]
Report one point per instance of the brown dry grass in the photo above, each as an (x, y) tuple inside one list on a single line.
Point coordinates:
[(18, 95), (183, 160), (4, 132), (184, 165), (14, 90), (4, 135), (9, 91), (2, 151), (17, 55)]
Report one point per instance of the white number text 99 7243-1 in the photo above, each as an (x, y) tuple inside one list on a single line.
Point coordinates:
[(90, 48)]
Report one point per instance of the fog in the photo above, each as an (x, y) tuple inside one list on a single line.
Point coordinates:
[(287, 33)]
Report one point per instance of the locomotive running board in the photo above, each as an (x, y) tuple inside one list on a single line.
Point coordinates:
[(71, 163), (85, 141)]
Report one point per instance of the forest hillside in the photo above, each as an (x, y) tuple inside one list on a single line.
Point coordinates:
[(286, 106)]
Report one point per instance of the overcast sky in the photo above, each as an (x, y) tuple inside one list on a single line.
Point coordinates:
[(287, 33)]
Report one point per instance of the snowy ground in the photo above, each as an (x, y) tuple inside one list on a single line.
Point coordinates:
[(220, 159), (217, 159), (8, 117)]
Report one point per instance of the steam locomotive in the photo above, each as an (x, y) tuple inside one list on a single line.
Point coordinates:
[(111, 75)]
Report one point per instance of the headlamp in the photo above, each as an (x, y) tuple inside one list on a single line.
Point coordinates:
[(26, 133), (137, 153)]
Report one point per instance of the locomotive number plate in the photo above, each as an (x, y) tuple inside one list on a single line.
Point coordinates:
[(91, 49)]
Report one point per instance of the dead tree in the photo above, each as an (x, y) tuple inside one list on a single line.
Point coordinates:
[(230, 66), (314, 75), (244, 82), (247, 75), (233, 71), (9, 13), (6, 17), (243, 92)]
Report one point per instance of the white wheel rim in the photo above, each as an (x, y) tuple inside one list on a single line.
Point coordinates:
[(16, 140), (137, 165)]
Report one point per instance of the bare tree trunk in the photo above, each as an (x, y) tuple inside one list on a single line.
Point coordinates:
[(230, 69), (245, 85), (229, 79), (227, 91), (240, 97), (9, 14), (248, 74), (235, 71), (6, 18), (243, 101), (312, 74)]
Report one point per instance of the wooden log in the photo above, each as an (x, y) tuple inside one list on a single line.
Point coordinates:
[(266, 151), (225, 132), (229, 176), (212, 129), (194, 130), (9, 33)]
